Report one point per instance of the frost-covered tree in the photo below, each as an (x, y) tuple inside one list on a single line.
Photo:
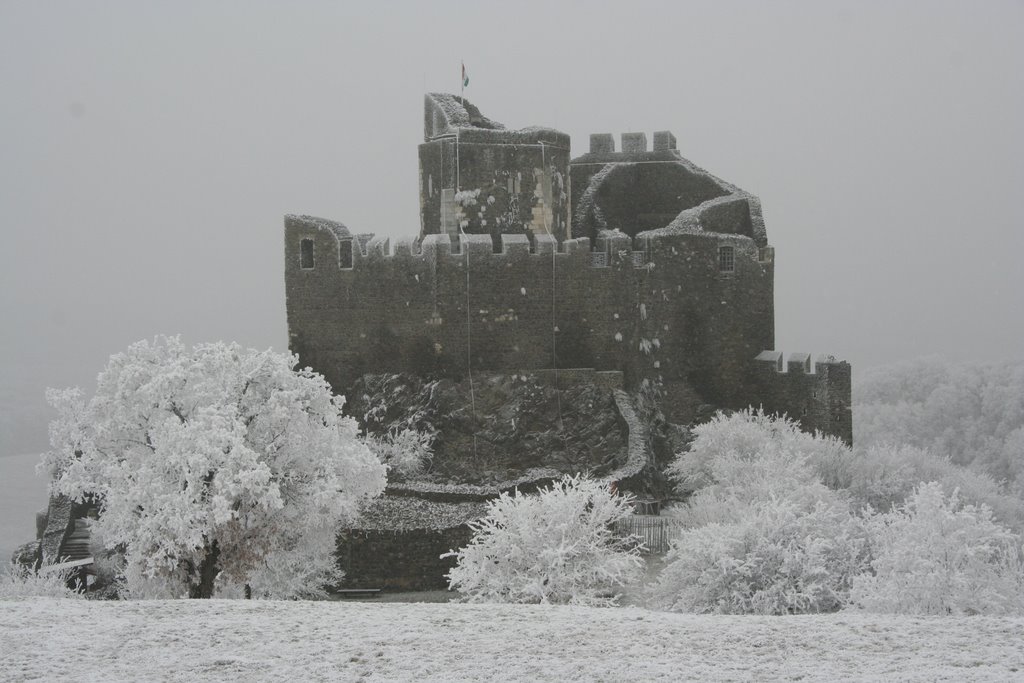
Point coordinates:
[(759, 456), (754, 455), (777, 557), (406, 452), (885, 476), (213, 465), (553, 547), (934, 555), (761, 531), (971, 413)]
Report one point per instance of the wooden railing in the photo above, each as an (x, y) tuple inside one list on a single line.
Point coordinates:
[(654, 531)]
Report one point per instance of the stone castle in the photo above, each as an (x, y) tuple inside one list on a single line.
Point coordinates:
[(600, 280), (635, 262)]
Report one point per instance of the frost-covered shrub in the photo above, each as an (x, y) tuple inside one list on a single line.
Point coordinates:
[(553, 547), (776, 557), (406, 452), (764, 454), (20, 581), (761, 531), (212, 461), (301, 572), (885, 476), (934, 555)]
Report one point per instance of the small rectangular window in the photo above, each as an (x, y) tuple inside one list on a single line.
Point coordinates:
[(345, 253), (306, 254), (726, 259)]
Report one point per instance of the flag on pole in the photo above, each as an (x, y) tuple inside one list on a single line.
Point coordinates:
[(465, 78)]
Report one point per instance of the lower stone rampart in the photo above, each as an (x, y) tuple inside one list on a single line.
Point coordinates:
[(818, 395), (399, 560), (398, 542)]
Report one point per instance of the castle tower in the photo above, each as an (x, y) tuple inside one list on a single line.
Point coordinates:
[(639, 189), (667, 277), (476, 176)]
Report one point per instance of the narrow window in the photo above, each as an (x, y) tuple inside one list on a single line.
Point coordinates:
[(726, 259), (345, 253), (306, 254)]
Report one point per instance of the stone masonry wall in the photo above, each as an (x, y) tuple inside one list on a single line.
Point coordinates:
[(652, 309), (522, 186), (817, 395), (399, 561)]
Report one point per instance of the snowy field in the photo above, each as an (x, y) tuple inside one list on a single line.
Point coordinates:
[(76, 640)]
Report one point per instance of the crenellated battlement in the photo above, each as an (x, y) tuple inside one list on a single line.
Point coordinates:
[(336, 247), (798, 363), (632, 143), (818, 394), (651, 307)]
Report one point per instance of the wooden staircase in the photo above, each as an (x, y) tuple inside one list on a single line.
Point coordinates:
[(76, 542)]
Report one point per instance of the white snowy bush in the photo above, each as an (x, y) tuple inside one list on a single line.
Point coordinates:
[(213, 465), (778, 558), (934, 555), (20, 581), (406, 452), (553, 547), (885, 476), (765, 455), (761, 531)]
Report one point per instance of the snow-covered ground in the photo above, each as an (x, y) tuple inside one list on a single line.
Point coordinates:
[(220, 640)]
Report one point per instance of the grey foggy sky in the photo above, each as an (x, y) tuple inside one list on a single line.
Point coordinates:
[(148, 152)]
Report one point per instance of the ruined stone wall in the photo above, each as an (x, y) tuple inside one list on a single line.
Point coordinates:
[(650, 308), (636, 189), (521, 178)]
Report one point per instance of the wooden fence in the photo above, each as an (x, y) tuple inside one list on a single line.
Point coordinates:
[(654, 531)]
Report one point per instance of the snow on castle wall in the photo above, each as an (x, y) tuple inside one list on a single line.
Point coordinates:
[(653, 308)]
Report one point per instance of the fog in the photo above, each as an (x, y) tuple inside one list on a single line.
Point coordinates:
[(148, 152)]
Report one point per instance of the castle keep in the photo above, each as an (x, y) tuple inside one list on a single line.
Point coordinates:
[(554, 315), (632, 260)]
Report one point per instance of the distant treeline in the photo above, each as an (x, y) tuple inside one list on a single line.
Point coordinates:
[(971, 413)]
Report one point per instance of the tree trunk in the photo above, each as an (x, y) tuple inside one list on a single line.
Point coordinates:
[(207, 574)]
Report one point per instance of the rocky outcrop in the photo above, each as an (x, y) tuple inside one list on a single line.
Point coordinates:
[(500, 428)]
